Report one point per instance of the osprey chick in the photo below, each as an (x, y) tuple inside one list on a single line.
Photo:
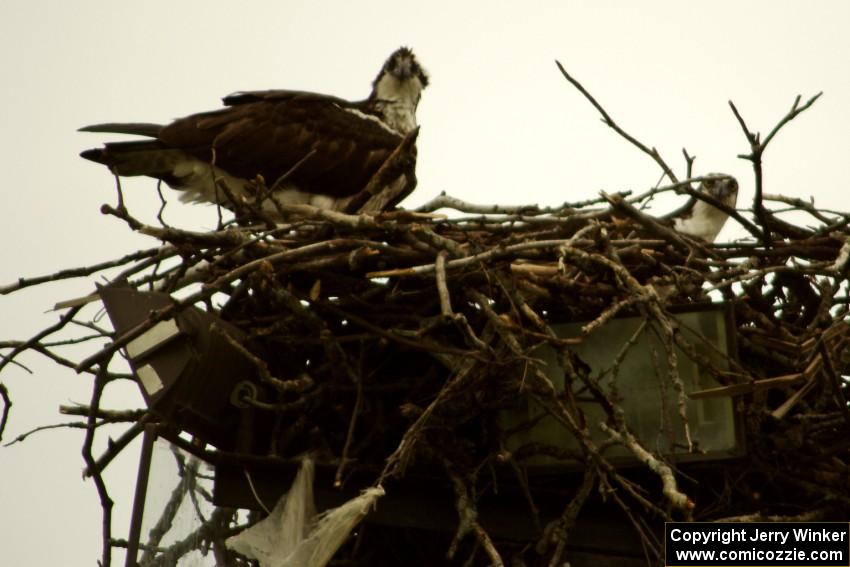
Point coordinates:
[(698, 218), (328, 148)]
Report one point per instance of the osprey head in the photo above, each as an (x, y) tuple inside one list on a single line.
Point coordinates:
[(403, 66), (722, 187), (401, 79)]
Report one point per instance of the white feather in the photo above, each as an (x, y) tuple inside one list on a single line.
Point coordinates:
[(399, 99), (705, 222), (198, 180), (293, 535)]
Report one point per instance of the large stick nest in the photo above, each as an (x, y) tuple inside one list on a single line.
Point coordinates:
[(390, 343)]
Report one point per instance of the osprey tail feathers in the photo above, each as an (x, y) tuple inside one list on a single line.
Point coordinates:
[(134, 128), (147, 157), (197, 180), (143, 157)]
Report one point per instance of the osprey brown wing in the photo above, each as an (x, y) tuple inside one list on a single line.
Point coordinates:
[(267, 133), (328, 147)]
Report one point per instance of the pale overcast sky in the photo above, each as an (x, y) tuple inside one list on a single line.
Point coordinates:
[(499, 124)]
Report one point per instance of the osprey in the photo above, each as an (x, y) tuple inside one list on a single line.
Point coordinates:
[(698, 218), (309, 148)]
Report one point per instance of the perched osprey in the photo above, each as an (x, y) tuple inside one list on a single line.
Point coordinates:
[(700, 219), (312, 148)]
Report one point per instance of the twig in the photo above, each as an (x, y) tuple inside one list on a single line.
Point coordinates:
[(653, 153), (162, 202), (468, 517), (103, 494), (289, 173), (671, 491), (444, 201), (689, 161), (109, 416), (115, 447), (796, 203), (835, 381), (22, 283), (442, 288), (7, 406), (757, 148), (349, 437), (559, 530), (67, 424), (394, 180), (839, 266), (36, 339)]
